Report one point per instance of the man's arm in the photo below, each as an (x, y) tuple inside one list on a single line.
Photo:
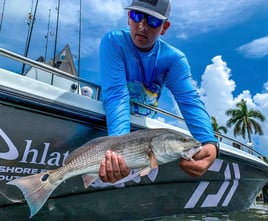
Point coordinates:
[(115, 99), (115, 94), (196, 117)]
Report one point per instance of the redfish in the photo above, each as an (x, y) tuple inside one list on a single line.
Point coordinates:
[(144, 149)]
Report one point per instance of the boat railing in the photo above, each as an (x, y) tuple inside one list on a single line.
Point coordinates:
[(52, 70), (222, 138), (60, 73)]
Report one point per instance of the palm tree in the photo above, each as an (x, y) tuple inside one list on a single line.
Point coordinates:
[(265, 159), (244, 120), (217, 128)]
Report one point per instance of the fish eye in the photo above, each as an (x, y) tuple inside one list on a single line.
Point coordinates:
[(184, 139)]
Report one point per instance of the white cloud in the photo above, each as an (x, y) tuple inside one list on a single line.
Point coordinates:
[(162, 119), (255, 49), (95, 12), (216, 88), (167, 102), (192, 17), (266, 86), (188, 17), (21, 12), (261, 101), (109, 7), (217, 93)]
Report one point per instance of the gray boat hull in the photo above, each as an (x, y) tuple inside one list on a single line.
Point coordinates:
[(38, 130)]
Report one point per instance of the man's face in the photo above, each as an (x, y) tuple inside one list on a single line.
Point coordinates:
[(144, 36)]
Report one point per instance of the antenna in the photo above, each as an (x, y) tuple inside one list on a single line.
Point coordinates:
[(2, 14), (47, 35), (56, 36), (79, 41), (32, 6), (30, 22)]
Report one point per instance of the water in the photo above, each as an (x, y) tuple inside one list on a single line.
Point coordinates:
[(258, 212)]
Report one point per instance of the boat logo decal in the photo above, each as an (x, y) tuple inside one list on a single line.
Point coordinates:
[(227, 188), (12, 152), (26, 159)]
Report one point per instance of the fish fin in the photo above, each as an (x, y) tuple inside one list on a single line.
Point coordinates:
[(153, 160), (134, 176), (120, 185), (88, 179), (137, 179), (145, 171), (153, 174), (153, 165), (35, 191)]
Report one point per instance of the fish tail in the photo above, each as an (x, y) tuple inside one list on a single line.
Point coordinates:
[(36, 190)]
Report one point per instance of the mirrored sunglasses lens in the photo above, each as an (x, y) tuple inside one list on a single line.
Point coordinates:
[(136, 17), (154, 22)]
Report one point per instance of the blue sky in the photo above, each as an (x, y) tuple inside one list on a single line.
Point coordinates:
[(226, 43)]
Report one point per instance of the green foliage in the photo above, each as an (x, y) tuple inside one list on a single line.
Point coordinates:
[(216, 127), (245, 120), (265, 159)]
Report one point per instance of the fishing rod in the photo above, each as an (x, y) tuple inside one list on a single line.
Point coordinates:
[(56, 34), (48, 33), (79, 40), (30, 22), (2, 14)]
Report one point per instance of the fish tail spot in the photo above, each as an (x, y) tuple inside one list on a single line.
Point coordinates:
[(45, 177)]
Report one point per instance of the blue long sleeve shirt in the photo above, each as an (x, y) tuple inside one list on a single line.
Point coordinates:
[(121, 62)]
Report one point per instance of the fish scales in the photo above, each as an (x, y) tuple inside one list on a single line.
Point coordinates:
[(140, 149), (129, 147), (134, 149)]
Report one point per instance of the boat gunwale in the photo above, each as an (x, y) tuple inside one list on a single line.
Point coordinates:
[(55, 103)]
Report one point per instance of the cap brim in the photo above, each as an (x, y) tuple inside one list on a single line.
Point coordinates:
[(146, 11)]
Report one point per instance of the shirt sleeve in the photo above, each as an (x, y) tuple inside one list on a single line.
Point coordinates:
[(115, 94), (180, 83)]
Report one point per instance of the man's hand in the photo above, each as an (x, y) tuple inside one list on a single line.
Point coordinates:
[(113, 168), (201, 161)]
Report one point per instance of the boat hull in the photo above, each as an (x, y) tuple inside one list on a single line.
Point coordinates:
[(41, 125), (43, 141), (225, 188)]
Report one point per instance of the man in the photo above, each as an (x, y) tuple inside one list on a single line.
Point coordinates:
[(134, 65)]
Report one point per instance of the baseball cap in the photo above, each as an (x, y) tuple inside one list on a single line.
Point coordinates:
[(157, 8)]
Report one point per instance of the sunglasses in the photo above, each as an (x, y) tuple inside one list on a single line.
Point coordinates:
[(151, 20)]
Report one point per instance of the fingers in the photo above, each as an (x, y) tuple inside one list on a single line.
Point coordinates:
[(124, 170), (109, 169), (201, 161), (113, 168), (102, 171), (193, 168)]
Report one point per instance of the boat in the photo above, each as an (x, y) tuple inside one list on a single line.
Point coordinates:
[(45, 116)]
